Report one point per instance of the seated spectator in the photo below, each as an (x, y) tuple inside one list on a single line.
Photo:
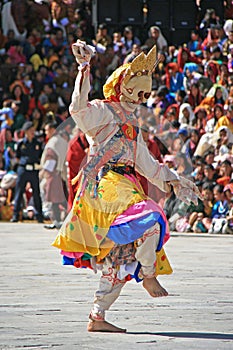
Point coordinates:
[(199, 122), (217, 113), (118, 45), (226, 140), (226, 120), (203, 220), (194, 44), (210, 174), (228, 29), (198, 172), (230, 59), (163, 100), (192, 142), (9, 145), (160, 69), (191, 75), (229, 100), (184, 56), (19, 94), (180, 97), (7, 187), (212, 71), (220, 207), (156, 38), (102, 39), (209, 157), (222, 78), (15, 52), (129, 39), (193, 97), (183, 165), (174, 78), (219, 94), (228, 190), (228, 226), (135, 51), (225, 173), (186, 114), (219, 211), (37, 118)]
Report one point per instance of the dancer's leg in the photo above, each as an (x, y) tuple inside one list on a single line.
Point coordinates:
[(109, 290), (146, 255)]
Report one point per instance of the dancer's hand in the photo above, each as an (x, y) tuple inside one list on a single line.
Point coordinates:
[(82, 52), (186, 190)]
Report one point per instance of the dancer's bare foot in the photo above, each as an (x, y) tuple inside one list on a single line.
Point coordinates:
[(154, 288), (103, 326)]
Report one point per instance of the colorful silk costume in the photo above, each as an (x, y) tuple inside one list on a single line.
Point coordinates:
[(113, 224)]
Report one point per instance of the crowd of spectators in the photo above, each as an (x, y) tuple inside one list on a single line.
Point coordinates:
[(189, 113)]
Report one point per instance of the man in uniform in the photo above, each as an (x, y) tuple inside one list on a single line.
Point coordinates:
[(28, 155)]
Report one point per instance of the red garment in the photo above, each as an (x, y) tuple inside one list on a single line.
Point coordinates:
[(174, 107), (76, 158), (213, 74), (224, 180), (35, 104), (190, 58), (16, 57), (194, 101), (174, 67)]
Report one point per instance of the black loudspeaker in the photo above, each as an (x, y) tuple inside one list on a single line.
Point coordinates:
[(183, 14), (105, 11), (179, 37), (131, 12), (159, 13)]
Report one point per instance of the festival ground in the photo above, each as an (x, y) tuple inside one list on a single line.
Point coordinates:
[(45, 305)]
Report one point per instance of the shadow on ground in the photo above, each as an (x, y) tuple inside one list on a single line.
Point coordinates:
[(195, 335)]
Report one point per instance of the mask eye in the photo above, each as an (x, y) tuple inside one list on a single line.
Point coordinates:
[(147, 95), (140, 94)]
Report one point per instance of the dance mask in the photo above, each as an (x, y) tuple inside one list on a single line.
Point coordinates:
[(131, 83)]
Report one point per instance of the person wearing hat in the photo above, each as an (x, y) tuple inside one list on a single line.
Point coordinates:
[(28, 155)]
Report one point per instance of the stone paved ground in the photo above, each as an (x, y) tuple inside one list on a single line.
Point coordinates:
[(45, 305)]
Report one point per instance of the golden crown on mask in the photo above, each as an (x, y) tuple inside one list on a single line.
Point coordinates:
[(141, 65)]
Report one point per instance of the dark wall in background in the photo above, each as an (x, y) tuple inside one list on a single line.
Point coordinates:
[(176, 18)]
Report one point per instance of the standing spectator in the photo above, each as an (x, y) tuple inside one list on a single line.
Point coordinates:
[(28, 154), (54, 172)]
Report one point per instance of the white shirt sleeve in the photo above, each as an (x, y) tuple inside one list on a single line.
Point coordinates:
[(158, 174)]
